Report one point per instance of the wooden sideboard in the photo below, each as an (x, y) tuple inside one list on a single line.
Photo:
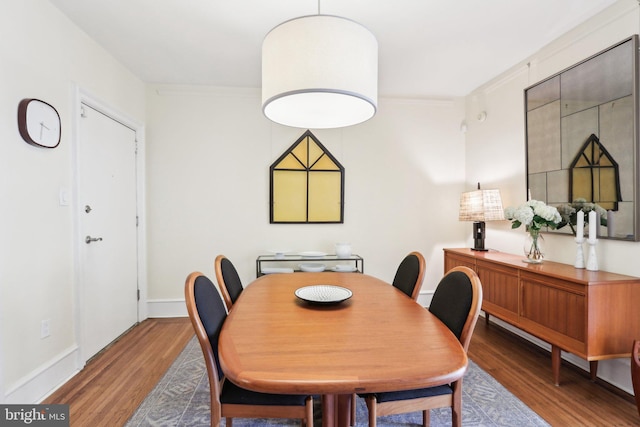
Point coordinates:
[(592, 314)]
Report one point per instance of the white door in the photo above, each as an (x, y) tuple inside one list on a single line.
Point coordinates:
[(108, 254)]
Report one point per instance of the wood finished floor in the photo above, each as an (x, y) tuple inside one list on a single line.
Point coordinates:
[(525, 370), (114, 383)]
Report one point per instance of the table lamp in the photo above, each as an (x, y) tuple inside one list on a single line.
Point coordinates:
[(480, 206)]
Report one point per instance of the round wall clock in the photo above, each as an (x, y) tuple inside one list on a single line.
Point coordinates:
[(39, 123)]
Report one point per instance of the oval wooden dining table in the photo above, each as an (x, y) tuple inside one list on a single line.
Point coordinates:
[(377, 340)]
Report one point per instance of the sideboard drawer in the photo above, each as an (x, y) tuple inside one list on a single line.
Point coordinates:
[(499, 289), (556, 311), (453, 260)]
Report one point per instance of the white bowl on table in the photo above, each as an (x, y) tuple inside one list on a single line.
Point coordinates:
[(344, 268), (313, 254), (279, 254), (312, 267)]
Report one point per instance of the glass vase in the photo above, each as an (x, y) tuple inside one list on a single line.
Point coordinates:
[(534, 247)]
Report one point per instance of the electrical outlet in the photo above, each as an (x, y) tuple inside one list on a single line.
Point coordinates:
[(45, 328)]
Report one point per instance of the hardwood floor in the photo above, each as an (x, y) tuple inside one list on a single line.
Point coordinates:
[(114, 383), (525, 370)]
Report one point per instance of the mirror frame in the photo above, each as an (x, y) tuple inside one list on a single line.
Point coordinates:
[(554, 134)]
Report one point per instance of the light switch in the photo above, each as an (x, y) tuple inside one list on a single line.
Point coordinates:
[(65, 197)]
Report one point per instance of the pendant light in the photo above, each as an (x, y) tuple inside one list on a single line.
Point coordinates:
[(318, 72)]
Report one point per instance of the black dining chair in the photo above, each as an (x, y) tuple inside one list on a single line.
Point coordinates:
[(410, 274), (228, 280), (456, 302), (635, 371), (207, 314)]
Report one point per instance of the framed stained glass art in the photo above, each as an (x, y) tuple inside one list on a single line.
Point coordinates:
[(306, 184)]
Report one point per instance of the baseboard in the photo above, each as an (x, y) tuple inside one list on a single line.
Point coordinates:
[(425, 297), (166, 308), (615, 372), (41, 382)]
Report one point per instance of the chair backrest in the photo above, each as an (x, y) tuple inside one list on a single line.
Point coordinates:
[(410, 274), (228, 280), (207, 313), (635, 371), (457, 302)]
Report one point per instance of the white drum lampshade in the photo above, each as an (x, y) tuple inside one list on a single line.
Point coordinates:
[(319, 72)]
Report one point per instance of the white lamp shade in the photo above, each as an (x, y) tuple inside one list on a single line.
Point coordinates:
[(481, 205), (319, 72)]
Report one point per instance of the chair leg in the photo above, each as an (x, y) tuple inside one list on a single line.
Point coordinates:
[(229, 422), (309, 411), (456, 406), (216, 414), (425, 418), (371, 406), (354, 400)]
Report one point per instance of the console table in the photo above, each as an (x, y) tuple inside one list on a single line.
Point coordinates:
[(592, 314), (294, 260)]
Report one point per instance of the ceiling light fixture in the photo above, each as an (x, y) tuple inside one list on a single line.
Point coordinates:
[(318, 72)]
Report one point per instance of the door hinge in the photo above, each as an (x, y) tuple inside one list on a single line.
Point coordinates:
[(83, 112), (138, 294), (137, 221)]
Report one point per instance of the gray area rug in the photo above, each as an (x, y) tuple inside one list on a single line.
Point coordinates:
[(181, 398)]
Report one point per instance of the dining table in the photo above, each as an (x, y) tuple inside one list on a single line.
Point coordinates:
[(373, 338)]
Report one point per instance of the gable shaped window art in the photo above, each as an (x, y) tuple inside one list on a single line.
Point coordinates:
[(307, 184)]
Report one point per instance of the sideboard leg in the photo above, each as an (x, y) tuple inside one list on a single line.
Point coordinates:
[(486, 318), (556, 360), (593, 368)]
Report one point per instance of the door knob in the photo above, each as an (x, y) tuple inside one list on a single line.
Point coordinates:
[(90, 239), (87, 208)]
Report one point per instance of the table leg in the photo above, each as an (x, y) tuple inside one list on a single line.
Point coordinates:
[(336, 410), (329, 410), (344, 410), (556, 360)]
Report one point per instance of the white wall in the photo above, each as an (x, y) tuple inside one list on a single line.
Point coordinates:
[(208, 157), (495, 148), (43, 56)]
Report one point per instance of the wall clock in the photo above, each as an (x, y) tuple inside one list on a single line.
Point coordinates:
[(39, 123)]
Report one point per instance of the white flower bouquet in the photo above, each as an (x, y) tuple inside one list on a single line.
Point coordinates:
[(534, 214)]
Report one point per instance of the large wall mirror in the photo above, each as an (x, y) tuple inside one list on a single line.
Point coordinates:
[(582, 138)]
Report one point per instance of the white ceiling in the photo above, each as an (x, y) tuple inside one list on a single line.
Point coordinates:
[(427, 48)]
